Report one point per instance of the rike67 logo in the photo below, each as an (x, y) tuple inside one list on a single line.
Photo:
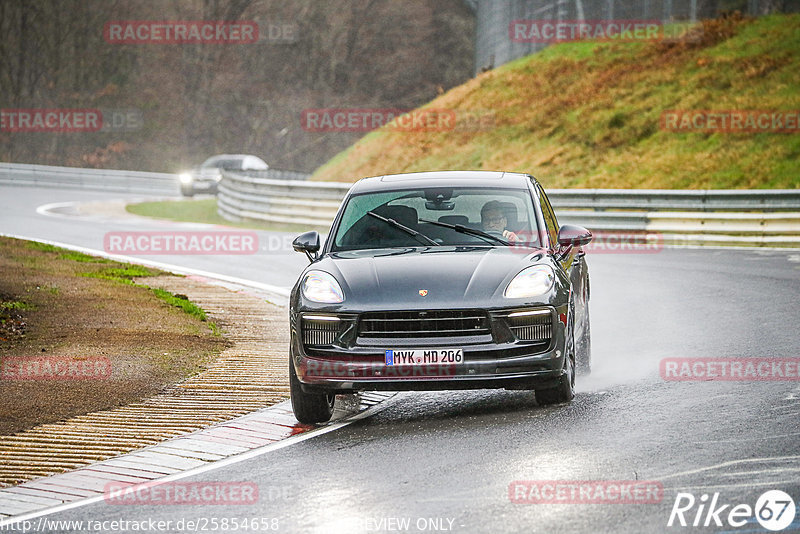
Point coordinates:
[(774, 510)]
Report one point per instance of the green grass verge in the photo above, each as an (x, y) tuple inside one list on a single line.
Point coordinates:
[(124, 275), (67, 254), (588, 114), (202, 211), (121, 273), (16, 305)]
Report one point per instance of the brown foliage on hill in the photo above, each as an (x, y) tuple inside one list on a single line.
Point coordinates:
[(195, 100)]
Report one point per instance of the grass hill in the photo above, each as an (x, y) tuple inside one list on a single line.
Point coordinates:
[(588, 114)]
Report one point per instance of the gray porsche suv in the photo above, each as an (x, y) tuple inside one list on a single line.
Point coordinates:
[(440, 280)]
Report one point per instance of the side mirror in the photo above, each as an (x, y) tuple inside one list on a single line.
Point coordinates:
[(308, 243), (572, 235)]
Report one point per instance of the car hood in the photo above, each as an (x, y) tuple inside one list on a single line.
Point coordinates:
[(449, 277)]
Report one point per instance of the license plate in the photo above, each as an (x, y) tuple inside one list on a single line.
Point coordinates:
[(399, 358)]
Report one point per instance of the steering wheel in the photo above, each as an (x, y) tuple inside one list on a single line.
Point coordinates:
[(495, 233)]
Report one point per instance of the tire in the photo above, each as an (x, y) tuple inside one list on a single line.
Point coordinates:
[(583, 354), (565, 390), (309, 408)]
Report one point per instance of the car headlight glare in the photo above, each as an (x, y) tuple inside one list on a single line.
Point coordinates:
[(185, 178), (531, 282), (320, 286)]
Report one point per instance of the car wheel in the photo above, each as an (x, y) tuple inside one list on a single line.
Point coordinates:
[(583, 355), (565, 390), (309, 408)]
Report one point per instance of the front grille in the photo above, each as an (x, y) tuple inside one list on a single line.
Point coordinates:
[(319, 332), (421, 324), (536, 325)]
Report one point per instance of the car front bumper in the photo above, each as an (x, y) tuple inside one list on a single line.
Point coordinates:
[(511, 365), (199, 186)]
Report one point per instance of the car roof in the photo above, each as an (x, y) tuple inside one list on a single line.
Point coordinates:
[(389, 182), (247, 161), (230, 156), (233, 157)]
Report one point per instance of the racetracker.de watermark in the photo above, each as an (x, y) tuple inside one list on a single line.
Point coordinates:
[(585, 492), (121, 120), (54, 368), (731, 121), (730, 369), (180, 32), (184, 242), (601, 243), (50, 120), (625, 243), (324, 120), (277, 32), (67, 120), (563, 31), (329, 369), (181, 493)]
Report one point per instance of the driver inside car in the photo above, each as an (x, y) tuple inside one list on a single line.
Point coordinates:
[(493, 219)]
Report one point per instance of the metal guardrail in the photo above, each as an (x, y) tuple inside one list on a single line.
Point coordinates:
[(242, 196), (738, 217), (277, 174), (677, 200), (722, 217), (97, 179)]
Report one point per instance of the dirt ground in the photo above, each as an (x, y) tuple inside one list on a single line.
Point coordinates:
[(113, 343)]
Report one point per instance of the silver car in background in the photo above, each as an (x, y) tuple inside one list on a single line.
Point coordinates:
[(206, 177)]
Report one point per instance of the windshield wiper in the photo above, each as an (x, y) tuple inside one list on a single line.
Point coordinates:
[(467, 230), (406, 229)]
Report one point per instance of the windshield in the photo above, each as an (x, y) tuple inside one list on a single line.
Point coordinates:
[(232, 164), (450, 217)]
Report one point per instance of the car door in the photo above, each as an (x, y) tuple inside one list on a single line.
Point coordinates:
[(573, 263)]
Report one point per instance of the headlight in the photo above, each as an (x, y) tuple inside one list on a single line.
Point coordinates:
[(320, 286), (531, 282), (185, 178)]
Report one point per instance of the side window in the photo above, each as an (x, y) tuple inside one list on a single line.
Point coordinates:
[(549, 218)]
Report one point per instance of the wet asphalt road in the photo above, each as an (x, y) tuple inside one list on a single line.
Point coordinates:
[(446, 460), (275, 262)]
